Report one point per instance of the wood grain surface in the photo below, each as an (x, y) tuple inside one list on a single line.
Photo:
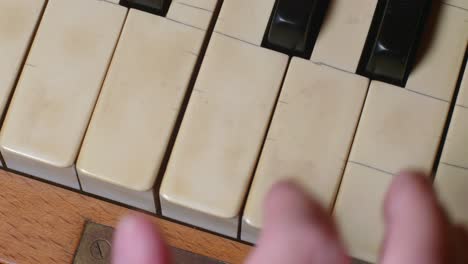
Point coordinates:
[(42, 223)]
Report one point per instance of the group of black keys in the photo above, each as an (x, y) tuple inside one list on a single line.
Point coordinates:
[(294, 25)]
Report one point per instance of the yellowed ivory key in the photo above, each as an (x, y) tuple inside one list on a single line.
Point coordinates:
[(56, 92), (18, 19), (138, 108), (309, 138), (400, 128), (451, 180)]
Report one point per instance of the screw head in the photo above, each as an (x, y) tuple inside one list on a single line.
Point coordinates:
[(100, 249)]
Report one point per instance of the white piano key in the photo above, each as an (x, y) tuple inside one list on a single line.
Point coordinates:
[(112, 1), (456, 144), (18, 20), (245, 20), (462, 99), (400, 128), (442, 58), (202, 4), (451, 184), (197, 13), (58, 87), (404, 132), (344, 33), (359, 210), (457, 3), (137, 108), (452, 175), (313, 150), (221, 135)]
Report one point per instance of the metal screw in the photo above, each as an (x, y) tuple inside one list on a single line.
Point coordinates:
[(100, 249)]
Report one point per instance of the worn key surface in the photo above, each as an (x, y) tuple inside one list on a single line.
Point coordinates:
[(458, 3), (309, 138), (221, 134), (451, 180), (399, 128), (343, 33), (225, 122), (136, 112), (245, 20), (18, 20), (196, 13), (58, 87)]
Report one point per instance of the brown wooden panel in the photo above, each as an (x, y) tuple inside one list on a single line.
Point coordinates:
[(42, 223)]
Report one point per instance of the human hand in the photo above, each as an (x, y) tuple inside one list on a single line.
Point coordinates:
[(417, 230)]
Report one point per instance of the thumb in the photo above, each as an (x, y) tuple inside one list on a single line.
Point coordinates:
[(137, 240)]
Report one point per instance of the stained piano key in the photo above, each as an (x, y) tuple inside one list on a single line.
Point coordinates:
[(137, 109), (398, 129), (312, 150), (221, 135), (441, 59), (456, 150), (358, 210), (462, 98), (401, 128), (451, 184), (343, 34), (393, 42), (245, 20), (202, 4), (58, 87), (294, 26), (197, 13), (451, 180), (158, 7), (457, 3), (18, 20)]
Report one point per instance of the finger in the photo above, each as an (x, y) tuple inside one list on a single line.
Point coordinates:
[(297, 230), (137, 240), (417, 230)]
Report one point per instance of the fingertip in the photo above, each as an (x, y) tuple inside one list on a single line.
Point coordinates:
[(416, 226), (293, 217), (412, 190), (137, 240), (286, 194)]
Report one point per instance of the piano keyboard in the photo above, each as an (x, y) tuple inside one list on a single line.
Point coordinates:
[(193, 109)]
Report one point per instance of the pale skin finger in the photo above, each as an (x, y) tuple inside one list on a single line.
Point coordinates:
[(297, 230), (137, 240), (417, 230)]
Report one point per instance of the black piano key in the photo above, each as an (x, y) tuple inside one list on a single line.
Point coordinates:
[(393, 40), (158, 7), (294, 26)]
